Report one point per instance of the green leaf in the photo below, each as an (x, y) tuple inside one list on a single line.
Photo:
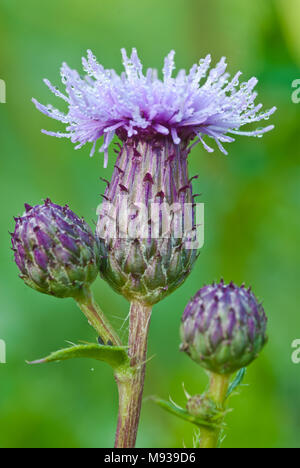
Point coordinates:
[(237, 381), (115, 356), (183, 414)]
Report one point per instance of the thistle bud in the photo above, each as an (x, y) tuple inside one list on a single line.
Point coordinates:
[(201, 406), (223, 328), (55, 250)]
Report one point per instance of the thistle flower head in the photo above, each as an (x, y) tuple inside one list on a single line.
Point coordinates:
[(55, 250), (202, 407), (137, 104), (223, 328)]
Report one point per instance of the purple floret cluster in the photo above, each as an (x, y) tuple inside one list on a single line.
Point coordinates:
[(205, 102)]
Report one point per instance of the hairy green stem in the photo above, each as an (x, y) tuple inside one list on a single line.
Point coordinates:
[(131, 385), (96, 318), (218, 388)]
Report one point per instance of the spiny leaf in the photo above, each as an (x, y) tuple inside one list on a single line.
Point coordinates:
[(237, 381), (183, 414), (115, 356)]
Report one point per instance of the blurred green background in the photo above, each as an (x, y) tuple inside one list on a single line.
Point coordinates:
[(252, 203)]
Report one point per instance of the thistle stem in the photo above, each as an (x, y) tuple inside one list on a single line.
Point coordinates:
[(86, 302), (131, 385), (218, 388)]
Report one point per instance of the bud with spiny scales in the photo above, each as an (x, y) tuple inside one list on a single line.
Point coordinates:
[(55, 250), (146, 224), (223, 328)]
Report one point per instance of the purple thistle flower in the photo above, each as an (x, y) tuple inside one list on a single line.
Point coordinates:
[(55, 250), (157, 121), (234, 331), (189, 106)]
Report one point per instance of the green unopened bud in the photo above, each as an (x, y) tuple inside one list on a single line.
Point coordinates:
[(202, 407)]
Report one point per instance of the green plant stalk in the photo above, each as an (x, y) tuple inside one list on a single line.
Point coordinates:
[(218, 388), (96, 317), (131, 382)]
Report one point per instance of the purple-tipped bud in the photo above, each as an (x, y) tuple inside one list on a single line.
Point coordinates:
[(55, 250), (223, 328)]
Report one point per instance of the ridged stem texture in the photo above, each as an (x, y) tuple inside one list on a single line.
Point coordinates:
[(131, 384)]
